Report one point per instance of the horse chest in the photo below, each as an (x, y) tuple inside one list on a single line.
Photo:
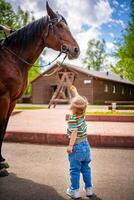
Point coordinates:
[(16, 85), (19, 90)]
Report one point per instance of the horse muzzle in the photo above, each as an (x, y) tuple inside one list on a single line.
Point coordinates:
[(72, 52)]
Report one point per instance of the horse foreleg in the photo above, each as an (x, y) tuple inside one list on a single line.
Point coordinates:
[(11, 107), (4, 108)]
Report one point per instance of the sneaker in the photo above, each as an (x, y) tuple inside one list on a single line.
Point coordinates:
[(74, 194), (89, 191)]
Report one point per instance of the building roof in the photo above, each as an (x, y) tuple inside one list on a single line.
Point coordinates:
[(97, 74)]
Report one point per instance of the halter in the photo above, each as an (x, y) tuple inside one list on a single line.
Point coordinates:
[(50, 24)]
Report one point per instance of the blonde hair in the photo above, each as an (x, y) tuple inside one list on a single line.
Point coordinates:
[(78, 105)]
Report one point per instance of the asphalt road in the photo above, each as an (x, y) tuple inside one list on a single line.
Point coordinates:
[(40, 172)]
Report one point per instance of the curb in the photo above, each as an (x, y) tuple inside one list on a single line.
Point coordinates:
[(60, 139), (107, 118)]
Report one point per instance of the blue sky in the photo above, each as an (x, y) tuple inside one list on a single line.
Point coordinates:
[(120, 16), (87, 19)]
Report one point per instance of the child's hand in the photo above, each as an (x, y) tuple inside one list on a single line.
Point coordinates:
[(69, 149), (74, 90)]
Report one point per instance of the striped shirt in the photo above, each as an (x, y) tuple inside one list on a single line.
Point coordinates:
[(77, 124)]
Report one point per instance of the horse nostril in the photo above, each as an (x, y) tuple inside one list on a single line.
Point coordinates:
[(76, 50)]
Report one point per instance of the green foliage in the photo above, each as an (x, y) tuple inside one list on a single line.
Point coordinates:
[(11, 19), (23, 18), (125, 53), (32, 74), (7, 15), (95, 54)]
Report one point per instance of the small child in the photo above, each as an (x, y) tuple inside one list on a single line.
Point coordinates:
[(78, 148)]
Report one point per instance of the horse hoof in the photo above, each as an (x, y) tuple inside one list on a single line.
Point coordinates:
[(4, 165), (3, 172)]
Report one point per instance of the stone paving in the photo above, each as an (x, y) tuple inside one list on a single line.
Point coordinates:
[(49, 126)]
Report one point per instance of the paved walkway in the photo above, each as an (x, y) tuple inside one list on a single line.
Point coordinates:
[(49, 126), (41, 172)]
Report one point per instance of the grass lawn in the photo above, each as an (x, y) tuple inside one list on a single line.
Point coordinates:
[(30, 107), (128, 106), (110, 113)]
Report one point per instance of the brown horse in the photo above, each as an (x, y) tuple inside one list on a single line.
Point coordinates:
[(18, 53)]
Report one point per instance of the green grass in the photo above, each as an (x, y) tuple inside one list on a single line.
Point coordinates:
[(125, 106), (30, 107), (110, 113)]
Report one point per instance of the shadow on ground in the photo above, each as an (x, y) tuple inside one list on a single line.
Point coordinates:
[(15, 113), (15, 188)]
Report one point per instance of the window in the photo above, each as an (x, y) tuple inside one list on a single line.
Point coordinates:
[(53, 87), (113, 89), (123, 91), (130, 92), (106, 88)]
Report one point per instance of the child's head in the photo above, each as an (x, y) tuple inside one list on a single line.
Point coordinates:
[(78, 105)]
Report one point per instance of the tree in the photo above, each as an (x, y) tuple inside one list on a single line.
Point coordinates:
[(23, 18), (95, 55), (125, 52), (7, 15), (33, 73)]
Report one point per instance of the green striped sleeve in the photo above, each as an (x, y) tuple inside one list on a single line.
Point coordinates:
[(72, 124)]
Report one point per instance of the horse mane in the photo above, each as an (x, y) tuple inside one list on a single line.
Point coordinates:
[(22, 37)]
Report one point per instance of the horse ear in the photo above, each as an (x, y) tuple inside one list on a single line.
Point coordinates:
[(50, 12)]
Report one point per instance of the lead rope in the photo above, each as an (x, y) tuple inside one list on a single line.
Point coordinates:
[(59, 65), (26, 62)]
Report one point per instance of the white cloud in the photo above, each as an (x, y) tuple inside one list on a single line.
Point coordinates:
[(92, 13), (103, 11), (112, 35), (83, 38), (122, 6), (109, 61), (111, 45), (115, 3), (117, 22)]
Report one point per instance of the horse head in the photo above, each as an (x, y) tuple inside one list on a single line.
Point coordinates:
[(59, 36)]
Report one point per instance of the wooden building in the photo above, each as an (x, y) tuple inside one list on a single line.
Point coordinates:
[(97, 87)]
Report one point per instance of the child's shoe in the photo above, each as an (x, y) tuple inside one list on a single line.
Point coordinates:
[(74, 194), (89, 191)]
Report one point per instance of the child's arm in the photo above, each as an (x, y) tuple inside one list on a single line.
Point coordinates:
[(72, 141)]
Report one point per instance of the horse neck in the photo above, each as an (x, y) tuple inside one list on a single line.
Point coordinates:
[(33, 51), (33, 48)]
